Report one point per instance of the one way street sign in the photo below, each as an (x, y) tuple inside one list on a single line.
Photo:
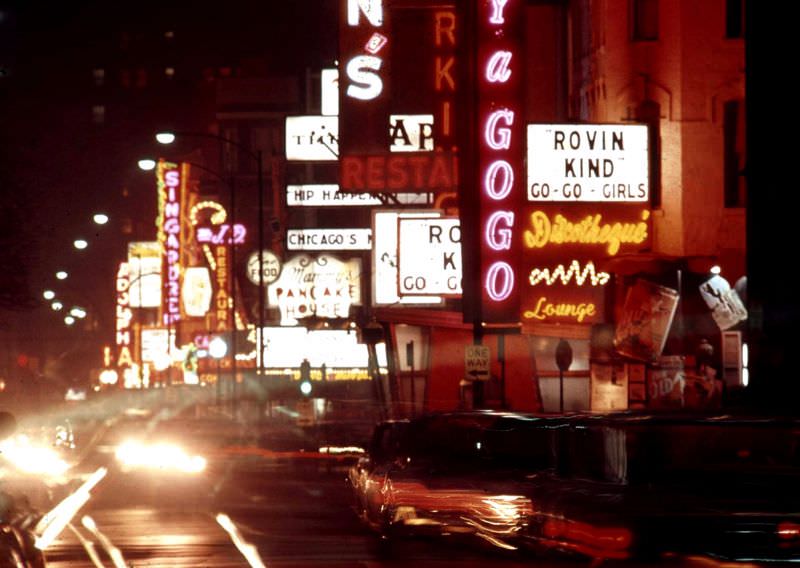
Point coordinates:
[(476, 362)]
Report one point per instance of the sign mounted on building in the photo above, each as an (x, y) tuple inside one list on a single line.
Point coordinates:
[(329, 239), (328, 195), (270, 263), (417, 105), (323, 286), (144, 262), (174, 226), (588, 162), (500, 153), (429, 257), (385, 258), (312, 138)]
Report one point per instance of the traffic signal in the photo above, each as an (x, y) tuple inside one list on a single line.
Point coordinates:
[(305, 377)]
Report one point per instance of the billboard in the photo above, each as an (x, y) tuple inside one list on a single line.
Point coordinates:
[(429, 257), (144, 265), (588, 162)]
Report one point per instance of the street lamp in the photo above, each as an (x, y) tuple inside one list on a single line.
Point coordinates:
[(169, 138), (218, 348)]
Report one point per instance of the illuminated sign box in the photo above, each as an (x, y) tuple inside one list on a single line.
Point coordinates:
[(411, 133), (329, 80), (385, 259), (323, 286), (144, 265), (588, 162), (429, 257), (286, 347), (312, 138), (328, 195), (329, 239)]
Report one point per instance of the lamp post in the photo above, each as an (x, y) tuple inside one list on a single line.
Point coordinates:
[(169, 138), (218, 348)]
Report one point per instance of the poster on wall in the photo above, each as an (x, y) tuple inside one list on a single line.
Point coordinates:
[(647, 316), (609, 387)]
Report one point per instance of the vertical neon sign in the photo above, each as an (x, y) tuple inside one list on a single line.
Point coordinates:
[(124, 316), (500, 155), (171, 184)]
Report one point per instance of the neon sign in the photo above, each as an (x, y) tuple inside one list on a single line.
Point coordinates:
[(565, 275), (171, 184), (546, 310), (224, 233), (363, 70), (590, 230), (500, 154), (124, 316)]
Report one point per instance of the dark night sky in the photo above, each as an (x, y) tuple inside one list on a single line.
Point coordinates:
[(57, 167)]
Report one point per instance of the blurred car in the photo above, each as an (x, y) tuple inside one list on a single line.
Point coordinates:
[(459, 473), (628, 487)]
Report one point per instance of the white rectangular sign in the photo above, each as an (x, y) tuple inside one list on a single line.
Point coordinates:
[(329, 104), (411, 133), (588, 162), (328, 195), (329, 239), (429, 257), (384, 259), (312, 138), (316, 138)]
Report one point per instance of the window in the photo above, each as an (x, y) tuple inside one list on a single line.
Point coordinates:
[(733, 126), (734, 19), (645, 20)]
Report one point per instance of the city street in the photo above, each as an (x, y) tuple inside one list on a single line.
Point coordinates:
[(295, 512)]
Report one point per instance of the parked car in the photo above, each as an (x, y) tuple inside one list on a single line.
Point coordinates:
[(458, 473), (648, 488)]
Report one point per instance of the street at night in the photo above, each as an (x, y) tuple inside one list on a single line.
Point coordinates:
[(331, 283)]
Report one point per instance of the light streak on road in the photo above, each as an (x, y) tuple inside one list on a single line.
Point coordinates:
[(249, 551), (52, 523), (112, 551), (88, 545)]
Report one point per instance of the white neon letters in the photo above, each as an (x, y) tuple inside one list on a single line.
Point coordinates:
[(499, 180), (499, 238), (362, 70), (497, 12), (497, 158), (372, 9), (497, 69), (499, 138), (499, 281)]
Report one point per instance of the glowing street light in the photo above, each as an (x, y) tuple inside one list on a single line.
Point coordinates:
[(147, 164), (48, 294), (57, 305), (69, 320), (62, 275), (80, 244), (100, 218), (78, 312), (165, 137)]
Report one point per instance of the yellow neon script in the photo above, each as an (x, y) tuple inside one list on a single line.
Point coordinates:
[(545, 310), (590, 230), (549, 277)]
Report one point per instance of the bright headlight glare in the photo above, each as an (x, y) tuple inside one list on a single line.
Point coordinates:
[(165, 457)]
